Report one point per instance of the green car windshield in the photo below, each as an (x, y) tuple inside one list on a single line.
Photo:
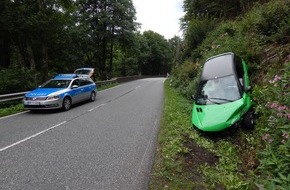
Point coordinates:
[(218, 91)]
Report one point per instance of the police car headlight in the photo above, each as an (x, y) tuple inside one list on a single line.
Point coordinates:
[(53, 97)]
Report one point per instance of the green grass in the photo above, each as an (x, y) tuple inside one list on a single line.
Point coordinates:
[(168, 167), (10, 108), (272, 141), (106, 86)]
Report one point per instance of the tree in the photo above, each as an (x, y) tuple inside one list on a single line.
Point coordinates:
[(31, 30), (156, 54), (5, 51), (175, 44), (224, 9), (111, 22), (202, 16)]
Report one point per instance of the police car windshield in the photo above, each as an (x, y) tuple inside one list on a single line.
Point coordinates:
[(56, 84)]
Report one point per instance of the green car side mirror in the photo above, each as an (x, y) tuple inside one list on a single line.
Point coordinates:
[(248, 89)]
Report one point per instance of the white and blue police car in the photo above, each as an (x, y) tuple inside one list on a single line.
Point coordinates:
[(61, 92)]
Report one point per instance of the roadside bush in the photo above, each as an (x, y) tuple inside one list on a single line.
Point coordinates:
[(270, 22), (229, 37), (16, 80), (185, 78), (197, 31)]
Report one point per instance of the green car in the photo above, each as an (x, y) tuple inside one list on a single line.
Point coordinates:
[(222, 99)]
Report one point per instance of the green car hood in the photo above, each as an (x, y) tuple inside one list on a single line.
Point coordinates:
[(217, 117)]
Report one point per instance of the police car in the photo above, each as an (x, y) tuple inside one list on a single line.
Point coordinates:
[(61, 92)]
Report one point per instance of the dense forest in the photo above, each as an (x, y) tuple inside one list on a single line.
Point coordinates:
[(41, 38)]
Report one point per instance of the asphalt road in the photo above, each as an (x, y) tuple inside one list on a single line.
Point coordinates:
[(106, 144)]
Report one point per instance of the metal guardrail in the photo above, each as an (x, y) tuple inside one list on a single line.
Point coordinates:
[(20, 95), (11, 97), (106, 82)]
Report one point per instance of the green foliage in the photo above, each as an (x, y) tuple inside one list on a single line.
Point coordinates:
[(10, 108), (106, 86), (155, 54), (174, 125), (16, 80), (226, 173), (228, 37), (273, 109), (185, 78), (197, 30), (110, 24), (269, 22), (216, 9), (58, 36)]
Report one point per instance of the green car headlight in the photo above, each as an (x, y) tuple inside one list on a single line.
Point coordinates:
[(56, 97)]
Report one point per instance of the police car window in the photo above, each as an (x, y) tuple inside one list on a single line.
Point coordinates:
[(75, 82), (84, 82)]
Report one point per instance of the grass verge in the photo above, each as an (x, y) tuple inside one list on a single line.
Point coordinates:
[(9, 108), (106, 86)]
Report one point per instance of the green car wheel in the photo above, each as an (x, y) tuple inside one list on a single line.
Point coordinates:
[(249, 122)]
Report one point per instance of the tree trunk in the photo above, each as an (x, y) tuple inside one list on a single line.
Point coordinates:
[(111, 53), (104, 57), (44, 63), (4, 40), (4, 53), (31, 57), (21, 56)]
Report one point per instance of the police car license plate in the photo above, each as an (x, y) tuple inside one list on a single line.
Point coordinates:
[(32, 103)]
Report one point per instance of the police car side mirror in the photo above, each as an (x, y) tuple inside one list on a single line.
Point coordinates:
[(74, 86)]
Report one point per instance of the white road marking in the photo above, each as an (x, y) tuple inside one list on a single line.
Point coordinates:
[(35, 135), (96, 107), (13, 115)]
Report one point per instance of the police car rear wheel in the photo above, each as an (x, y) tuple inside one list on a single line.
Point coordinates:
[(93, 97)]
